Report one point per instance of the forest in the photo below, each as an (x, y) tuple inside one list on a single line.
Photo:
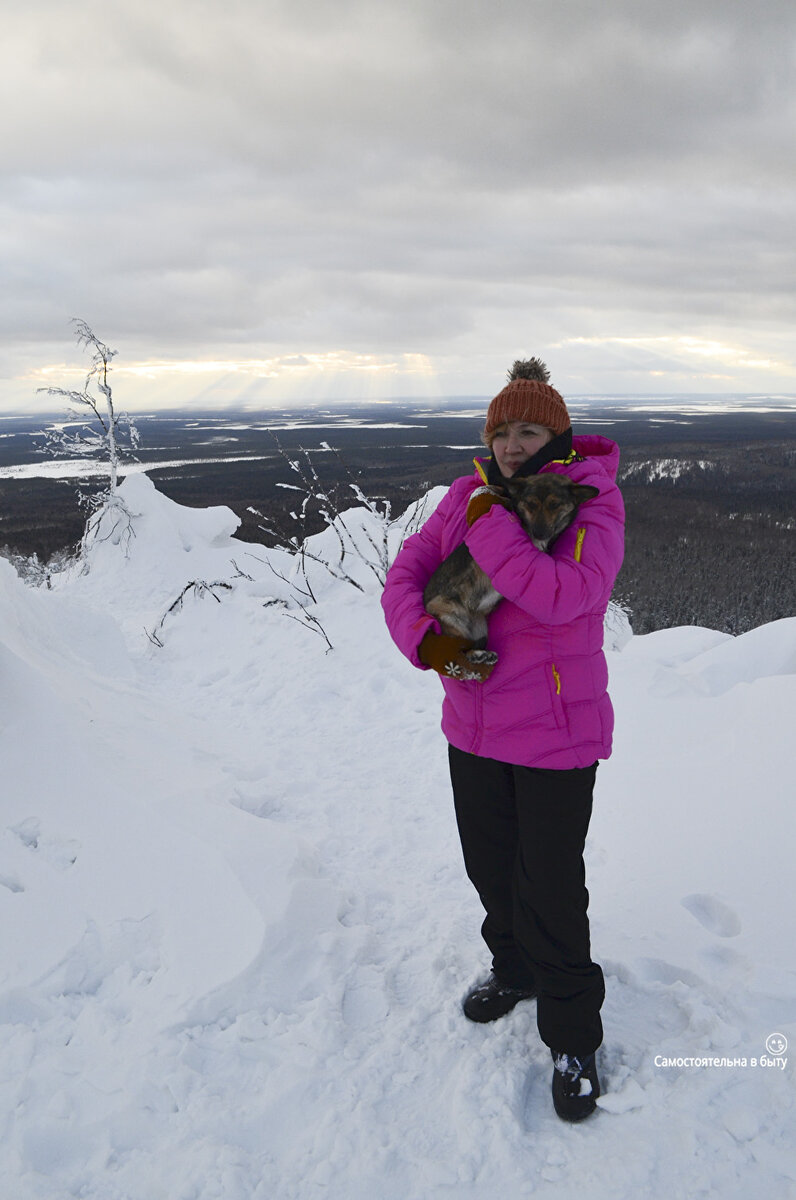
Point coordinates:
[(709, 496)]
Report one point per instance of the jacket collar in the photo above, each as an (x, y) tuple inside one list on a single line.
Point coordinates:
[(558, 450)]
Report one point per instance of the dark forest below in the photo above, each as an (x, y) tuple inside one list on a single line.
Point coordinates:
[(709, 499)]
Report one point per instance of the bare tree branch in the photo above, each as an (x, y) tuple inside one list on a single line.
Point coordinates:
[(200, 588), (106, 432), (311, 622)]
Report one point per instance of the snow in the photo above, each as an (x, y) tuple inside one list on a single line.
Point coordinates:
[(236, 930), (87, 468), (664, 468)]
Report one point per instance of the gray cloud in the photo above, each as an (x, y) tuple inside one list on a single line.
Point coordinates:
[(441, 179)]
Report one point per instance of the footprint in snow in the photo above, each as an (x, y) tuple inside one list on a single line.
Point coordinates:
[(405, 983), (60, 853), (10, 882), (28, 832), (656, 970), (257, 804), (364, 1001), (712, 915)]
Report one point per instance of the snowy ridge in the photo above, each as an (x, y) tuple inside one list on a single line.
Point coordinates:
[(236, 929), (650, 470)]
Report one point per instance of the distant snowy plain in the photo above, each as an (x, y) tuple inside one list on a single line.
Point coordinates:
[(236, 929)]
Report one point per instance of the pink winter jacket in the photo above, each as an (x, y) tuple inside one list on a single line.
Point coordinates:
[(545, 703)]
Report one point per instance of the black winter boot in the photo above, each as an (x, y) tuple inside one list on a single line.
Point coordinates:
[(493, 999), (575, 1085)]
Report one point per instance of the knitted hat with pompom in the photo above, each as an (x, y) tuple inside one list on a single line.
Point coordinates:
[(528, 397)]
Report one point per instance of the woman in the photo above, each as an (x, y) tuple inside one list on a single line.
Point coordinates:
[(525, 735)]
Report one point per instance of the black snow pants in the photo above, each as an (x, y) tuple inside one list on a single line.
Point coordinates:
[(523, 831)]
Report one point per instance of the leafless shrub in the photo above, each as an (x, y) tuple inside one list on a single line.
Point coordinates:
[(105, 431), (368, 546), (200, 588)]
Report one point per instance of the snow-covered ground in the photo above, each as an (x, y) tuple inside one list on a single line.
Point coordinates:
[(236, 930)]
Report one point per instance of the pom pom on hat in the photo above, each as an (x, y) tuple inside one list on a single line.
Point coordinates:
[(528, 368), (528, 397)]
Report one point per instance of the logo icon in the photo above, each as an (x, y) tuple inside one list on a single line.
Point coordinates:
[(776, 1044)]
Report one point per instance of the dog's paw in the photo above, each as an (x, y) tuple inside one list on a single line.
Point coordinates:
[(481, 657)]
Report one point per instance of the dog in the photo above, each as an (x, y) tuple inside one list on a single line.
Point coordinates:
[(461, 596)]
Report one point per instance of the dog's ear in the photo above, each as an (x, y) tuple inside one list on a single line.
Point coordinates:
[(583, 491)]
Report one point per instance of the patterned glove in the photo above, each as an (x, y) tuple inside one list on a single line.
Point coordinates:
[(446, 655), (481, 500)]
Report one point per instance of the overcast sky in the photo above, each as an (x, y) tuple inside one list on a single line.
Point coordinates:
[(266, 199)]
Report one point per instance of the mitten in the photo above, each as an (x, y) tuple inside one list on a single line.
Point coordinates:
[(481, 500), (447, 656)]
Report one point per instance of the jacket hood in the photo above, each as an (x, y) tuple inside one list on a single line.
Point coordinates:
[(600, 450)]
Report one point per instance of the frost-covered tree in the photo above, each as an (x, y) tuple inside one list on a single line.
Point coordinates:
[(105, 431), (96, 428)]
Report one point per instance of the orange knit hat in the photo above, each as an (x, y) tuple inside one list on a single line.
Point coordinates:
[(528, 397)]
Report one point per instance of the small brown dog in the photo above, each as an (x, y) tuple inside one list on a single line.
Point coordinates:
[(461, 596)]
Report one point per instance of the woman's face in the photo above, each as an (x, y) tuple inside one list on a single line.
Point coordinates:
[(517, 441)]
